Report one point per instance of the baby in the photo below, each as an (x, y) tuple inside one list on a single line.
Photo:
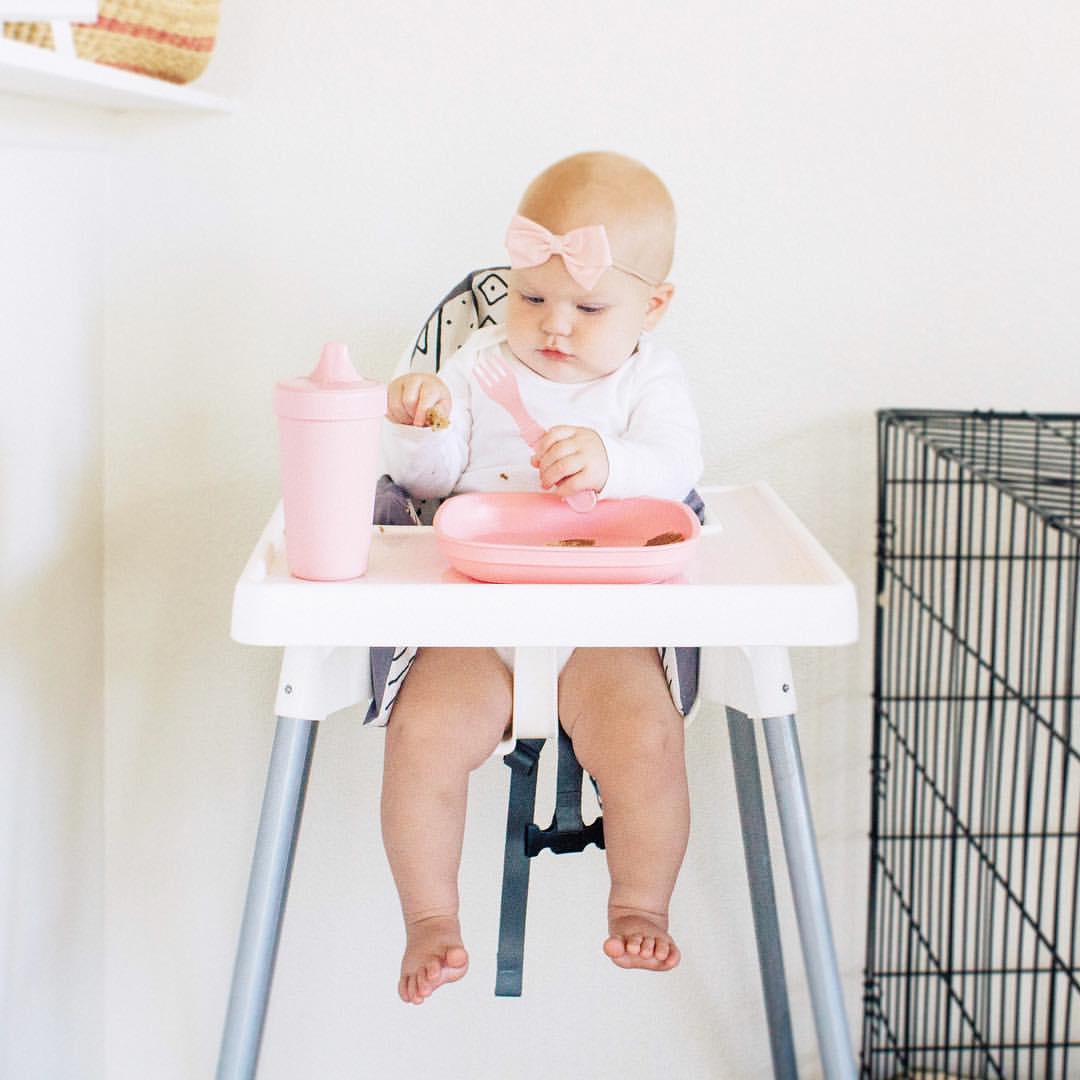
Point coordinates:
[(590, 249)]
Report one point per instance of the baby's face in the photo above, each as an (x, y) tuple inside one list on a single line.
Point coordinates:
[(570, 334)]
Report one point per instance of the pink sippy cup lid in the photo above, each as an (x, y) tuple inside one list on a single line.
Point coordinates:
[(333, 391)]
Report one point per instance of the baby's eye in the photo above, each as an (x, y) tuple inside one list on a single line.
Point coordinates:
[(531, 299), (591, 309)]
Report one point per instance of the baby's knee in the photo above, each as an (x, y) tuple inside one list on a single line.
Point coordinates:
[(457, 741), (656, 737), (642, 745), (461, 723)]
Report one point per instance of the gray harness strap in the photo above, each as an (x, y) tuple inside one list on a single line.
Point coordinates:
[(524, 840), (523, 761)]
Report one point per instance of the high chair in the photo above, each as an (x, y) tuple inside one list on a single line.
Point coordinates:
[(760, 583)]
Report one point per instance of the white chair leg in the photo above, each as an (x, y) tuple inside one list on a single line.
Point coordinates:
[(755, 680), (317, 681)]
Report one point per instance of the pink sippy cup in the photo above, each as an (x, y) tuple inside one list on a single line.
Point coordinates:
[(329, 423)]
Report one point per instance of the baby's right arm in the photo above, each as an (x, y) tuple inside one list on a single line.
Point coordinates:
[(422, 450), (410, 398)]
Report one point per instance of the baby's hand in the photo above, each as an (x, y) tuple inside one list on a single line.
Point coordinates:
[(410, 398), (571, 459)]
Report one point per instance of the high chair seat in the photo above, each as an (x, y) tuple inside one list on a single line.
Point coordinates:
[(759, 585)]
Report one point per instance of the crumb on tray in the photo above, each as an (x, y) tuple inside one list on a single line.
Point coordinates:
[(572, 542)]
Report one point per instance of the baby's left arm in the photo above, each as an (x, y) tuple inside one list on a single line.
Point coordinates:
[(659, 452)]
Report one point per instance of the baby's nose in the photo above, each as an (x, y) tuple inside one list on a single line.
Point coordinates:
[(556, 321)]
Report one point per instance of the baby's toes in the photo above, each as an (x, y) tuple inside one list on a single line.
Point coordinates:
[(633, 943), (648, 947), (615, 947), (660, 953), (456, 956)]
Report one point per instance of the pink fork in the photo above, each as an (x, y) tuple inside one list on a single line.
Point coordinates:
[(498, 382)]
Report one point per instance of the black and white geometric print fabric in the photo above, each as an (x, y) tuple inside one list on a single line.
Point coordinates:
[(475, 301), (478, 300), (389, 666)]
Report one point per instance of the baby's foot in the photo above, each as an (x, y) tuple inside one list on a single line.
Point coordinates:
[(639, 939), (434, 955)]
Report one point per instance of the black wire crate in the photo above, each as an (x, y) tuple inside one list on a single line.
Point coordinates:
[(973, 942)]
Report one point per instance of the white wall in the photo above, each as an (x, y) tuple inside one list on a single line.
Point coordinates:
[(52, 300), (877, 208)]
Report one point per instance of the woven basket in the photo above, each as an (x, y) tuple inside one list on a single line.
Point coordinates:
[(166, 39)]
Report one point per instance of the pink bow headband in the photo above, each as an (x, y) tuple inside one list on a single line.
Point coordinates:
[(585, 252)]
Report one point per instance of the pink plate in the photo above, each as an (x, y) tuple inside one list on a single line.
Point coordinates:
[(509, 536)]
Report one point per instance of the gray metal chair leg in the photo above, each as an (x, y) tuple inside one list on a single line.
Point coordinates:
[(268, 886), (762, 895), (808, 894)]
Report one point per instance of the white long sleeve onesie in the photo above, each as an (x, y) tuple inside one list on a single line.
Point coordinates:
[(643, 412)]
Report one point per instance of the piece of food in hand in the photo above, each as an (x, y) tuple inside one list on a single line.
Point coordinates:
[(664, 538), (580, 541), (436, 419)]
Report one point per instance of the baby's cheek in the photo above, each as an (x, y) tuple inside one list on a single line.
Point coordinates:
[(516, 330)]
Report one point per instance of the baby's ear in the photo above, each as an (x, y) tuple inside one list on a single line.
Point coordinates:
[(659, 302)]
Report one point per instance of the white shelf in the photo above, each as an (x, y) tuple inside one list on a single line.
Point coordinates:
[(29, 71)]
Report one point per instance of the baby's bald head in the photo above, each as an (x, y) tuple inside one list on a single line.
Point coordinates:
[(600, 188)]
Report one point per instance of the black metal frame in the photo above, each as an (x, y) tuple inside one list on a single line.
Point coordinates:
[(972, 956)]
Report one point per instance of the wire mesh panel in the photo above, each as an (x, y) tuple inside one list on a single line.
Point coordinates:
[(972, 940)]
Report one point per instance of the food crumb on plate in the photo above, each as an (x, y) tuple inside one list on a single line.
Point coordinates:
[(665, 538)]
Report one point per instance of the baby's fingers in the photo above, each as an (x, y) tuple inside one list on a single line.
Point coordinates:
[(410, 401), (552, 438), (401, 399), (564, 468), (432, 396), (411, 397)]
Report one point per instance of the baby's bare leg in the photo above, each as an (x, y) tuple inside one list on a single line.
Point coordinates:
[(617, 710), (448, 718)]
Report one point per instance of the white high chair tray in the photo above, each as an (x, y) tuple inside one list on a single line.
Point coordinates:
[(761, 580)]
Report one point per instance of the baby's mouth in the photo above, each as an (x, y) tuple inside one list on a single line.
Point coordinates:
[(553, 354)]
